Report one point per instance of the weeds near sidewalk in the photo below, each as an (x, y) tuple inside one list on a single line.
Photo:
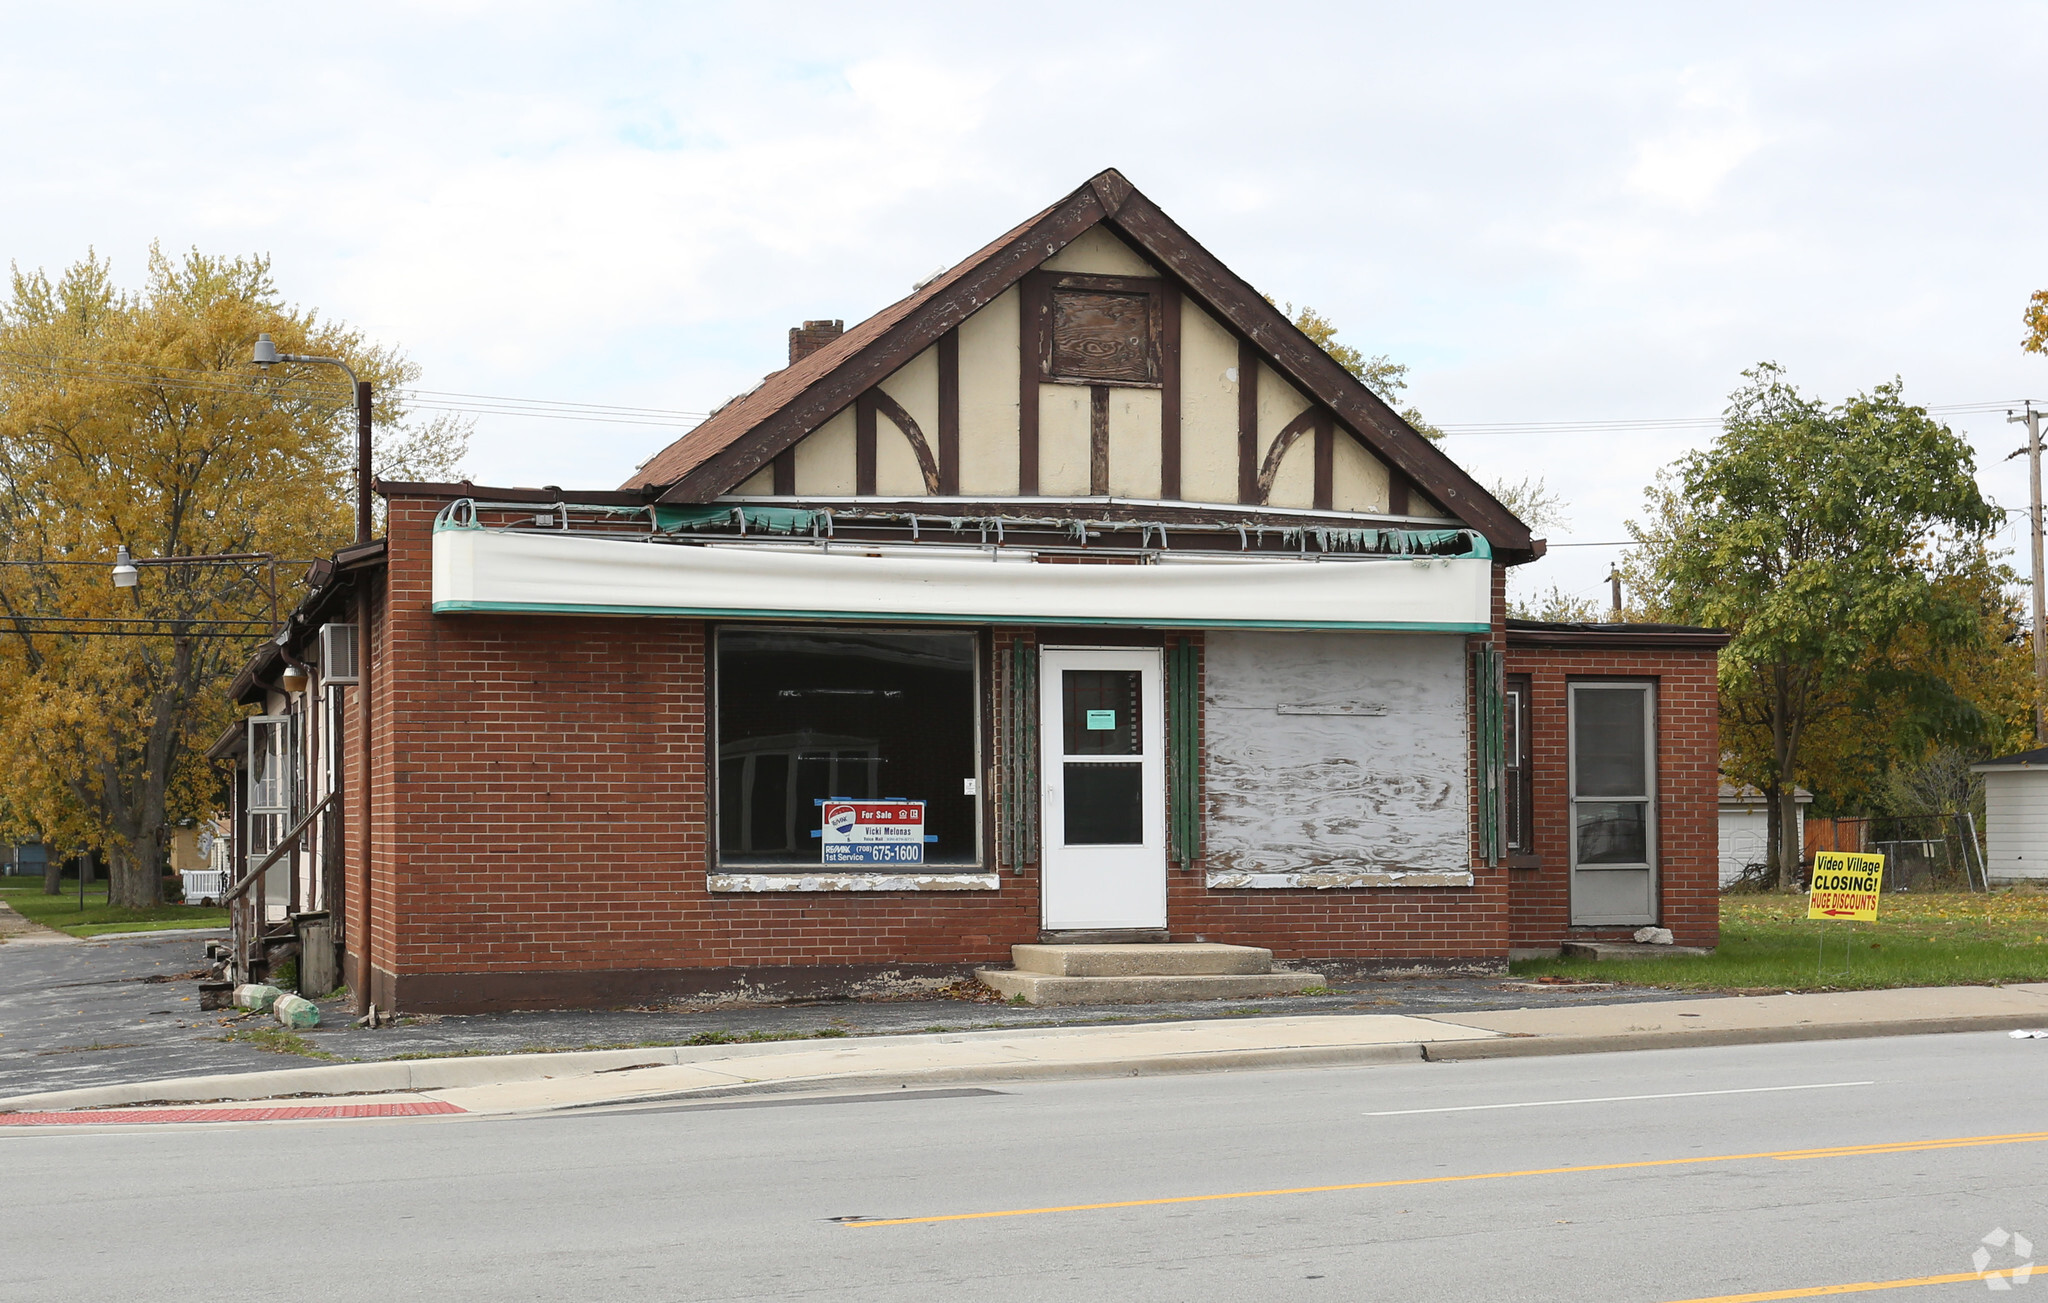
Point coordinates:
[(279, 1041), (1930, 939), (701, 1038)]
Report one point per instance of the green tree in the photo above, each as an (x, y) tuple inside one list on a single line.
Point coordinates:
[(133, 418), (1556, 606), (1822, 536)]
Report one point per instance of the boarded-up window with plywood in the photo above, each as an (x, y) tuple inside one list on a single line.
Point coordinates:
[(1102, 330)]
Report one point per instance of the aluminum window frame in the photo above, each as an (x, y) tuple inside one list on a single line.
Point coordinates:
[(1518, 824), (714, 741)]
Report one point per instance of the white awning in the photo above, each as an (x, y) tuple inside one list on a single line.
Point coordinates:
[(478, 569)]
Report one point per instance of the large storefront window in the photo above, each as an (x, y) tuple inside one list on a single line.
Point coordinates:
[(807, 717)]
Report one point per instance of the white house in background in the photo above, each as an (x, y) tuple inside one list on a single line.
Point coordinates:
[(2016, 816), (1746, 827)]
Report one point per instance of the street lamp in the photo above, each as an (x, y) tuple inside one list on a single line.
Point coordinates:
[(128, 570), (266, 356)]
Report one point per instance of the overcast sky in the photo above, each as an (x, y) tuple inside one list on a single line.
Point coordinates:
[(1556, 213)]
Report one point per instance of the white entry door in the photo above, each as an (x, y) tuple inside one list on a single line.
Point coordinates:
[(1103, 736)]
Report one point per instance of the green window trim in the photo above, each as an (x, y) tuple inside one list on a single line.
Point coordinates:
[(1184, 752), (1489, 700)]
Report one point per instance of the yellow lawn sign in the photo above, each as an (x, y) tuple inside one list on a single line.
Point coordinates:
[(1845, 886)]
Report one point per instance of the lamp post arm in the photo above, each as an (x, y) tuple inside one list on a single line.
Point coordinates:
[(361, 388), (353, 378)]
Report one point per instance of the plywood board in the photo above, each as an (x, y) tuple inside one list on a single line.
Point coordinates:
[(1355, 792)]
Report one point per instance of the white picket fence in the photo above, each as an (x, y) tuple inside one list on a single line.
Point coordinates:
[(204, 886)]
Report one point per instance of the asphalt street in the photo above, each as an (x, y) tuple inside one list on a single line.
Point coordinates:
[(1654, 1175), (121, 1009)]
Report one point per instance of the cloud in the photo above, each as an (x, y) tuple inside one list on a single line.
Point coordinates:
[(1573, 212), (1686, 164)]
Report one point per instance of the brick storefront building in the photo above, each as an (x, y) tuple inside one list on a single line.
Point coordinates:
[(1075, 595)]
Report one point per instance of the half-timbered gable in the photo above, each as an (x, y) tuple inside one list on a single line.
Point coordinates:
[(1097, 352)]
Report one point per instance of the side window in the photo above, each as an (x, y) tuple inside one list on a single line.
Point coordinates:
[(1521, 837), (270, 785)]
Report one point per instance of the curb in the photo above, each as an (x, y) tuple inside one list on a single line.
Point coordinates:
[(378, 1078), (1307, 1056), (446, 1074), (452, 1073), (1526, 1046)]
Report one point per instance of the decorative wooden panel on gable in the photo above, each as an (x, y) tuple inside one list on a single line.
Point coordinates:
[(1101, 330), (1098, 337)]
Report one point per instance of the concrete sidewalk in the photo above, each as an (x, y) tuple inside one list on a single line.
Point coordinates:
[(14, 928), (528, 1082)]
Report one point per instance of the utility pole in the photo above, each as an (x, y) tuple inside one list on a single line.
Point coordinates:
[(2032, 420), (1614, 579)]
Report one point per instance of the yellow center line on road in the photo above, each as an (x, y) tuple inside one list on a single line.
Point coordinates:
[(1857, 1287), (1782, 1155)]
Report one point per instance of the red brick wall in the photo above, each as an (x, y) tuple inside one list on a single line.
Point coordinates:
[(540, 809), (1688, 808)]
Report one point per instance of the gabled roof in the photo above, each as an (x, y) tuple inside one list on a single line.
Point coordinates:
[(2035, 759), (746, 433)]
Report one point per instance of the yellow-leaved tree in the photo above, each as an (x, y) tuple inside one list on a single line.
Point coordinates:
[(133, 418)]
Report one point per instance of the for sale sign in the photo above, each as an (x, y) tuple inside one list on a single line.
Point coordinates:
[(874, 832), (1845, 886)]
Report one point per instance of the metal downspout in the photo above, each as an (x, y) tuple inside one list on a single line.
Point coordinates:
[(361, 922)]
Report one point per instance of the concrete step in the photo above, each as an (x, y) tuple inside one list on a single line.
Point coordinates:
[(1192, 959), (1598, 950), (1048, 989)]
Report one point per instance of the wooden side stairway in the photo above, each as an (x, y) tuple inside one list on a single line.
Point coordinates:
[(1142, 974)]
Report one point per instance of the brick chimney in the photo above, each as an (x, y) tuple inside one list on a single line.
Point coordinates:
[(808, 338)]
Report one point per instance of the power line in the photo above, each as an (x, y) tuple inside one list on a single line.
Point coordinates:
[(473, 404), (1542, 428), (428, 400)]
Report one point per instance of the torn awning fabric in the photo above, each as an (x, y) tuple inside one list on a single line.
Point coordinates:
[(483, 570)]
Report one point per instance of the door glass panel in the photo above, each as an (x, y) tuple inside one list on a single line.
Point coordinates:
[(1607, 741), (1100, 712), (1104, 803), (1613, 832)]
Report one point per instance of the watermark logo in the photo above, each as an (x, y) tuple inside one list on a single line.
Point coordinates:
[(2009, 1244)]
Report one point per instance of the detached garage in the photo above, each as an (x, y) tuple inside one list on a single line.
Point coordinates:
[(2016, 816)]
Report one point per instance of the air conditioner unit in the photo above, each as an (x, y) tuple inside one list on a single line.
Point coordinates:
[(338, 654)]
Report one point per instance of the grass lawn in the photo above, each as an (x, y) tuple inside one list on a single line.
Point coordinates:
[(26, 897), (1767, 944)]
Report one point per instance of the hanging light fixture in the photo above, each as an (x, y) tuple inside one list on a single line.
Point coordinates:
[(125, 573)]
